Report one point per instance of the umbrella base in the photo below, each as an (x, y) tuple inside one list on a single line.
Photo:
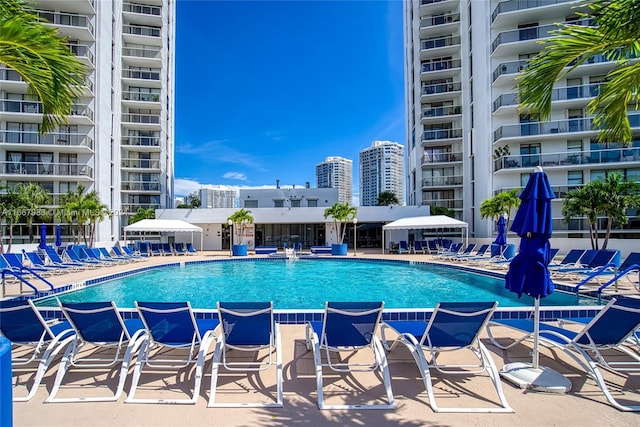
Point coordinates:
[(544, 379)]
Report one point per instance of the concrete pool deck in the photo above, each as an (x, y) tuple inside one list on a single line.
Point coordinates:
[(584, 405)]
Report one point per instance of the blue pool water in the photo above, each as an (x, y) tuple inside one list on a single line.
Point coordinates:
[(306, 284)]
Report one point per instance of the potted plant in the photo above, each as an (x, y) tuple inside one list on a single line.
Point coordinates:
[(341, 213), (239, 221)]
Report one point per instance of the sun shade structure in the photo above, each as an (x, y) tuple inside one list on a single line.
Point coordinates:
[(164, 226), (427, 222)]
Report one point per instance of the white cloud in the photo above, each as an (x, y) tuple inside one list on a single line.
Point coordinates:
[(235, 175), (185, 186)]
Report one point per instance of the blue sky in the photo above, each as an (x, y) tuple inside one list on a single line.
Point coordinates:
[(266, 90)]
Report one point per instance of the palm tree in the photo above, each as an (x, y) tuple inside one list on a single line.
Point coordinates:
[(615, 35), (240, 219), (32, 197), (83, 209), (141, 214), (340, 212), (611, 198), (387, 198), (43, 60), (500, 204)]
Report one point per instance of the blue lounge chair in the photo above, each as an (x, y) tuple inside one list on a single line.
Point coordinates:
[(96, 255), (453, 326), (167, 249), (107, 256), (138, 255), (178, 248), (433, 246), (349, 327), (37, 262), (142, 248), (448, 251), (172, 326), (601, 260), (247, 327), (98, 324), (55, 260), (466, 252), (121, 253), (75, 257), (571, 259), (14, 263), (155, 249), (24, 326), (630, 265), (418, 247), (479, 255), (609, 330), (403, 247), (191, 250)]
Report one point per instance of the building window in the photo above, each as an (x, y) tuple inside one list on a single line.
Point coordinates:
[(574, 179), (295, 203), (530, 154), (278, 203), (312, 203), (251, 204)]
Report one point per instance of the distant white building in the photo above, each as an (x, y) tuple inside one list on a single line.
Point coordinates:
[(381, 169), (289, 197), (219, 197), (336, 172)]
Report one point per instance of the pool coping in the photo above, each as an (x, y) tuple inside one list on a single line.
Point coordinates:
[(300, 316)]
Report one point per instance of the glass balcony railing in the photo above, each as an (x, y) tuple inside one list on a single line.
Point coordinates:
[(66, 19), (52, 138), (431, 21), (450, 110), (440, 42), (141, 163), (572, 158), (142, 9), (141, 141), (44, 168), (35, 107), (442, 181), (441, 65), (513, 5), (441, 88), (138, 96), (441, 158), (547, 128), (430, 135), (517, 66), (81, 51), (444, 203), (140, 186), (560, 94), (141, 118), (530, 33), (141, 30), (153, 74), (142, 52)]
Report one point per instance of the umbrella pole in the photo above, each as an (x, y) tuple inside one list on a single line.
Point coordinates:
[(536, 333)]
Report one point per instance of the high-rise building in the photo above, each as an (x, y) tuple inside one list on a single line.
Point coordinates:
[(336, 172), (381, 169), (120, 137), (467, 137), (220, 197)]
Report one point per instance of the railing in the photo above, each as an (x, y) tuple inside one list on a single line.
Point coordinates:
[(141, 118), (41, 168), (517, 66), (441, 65), (53, 138), (9, 75), (141, 163), (142, 9), (441, 88), (81, 50), (530, 33), (440, 42), (440, 181), (153, 74), (133, 207), (560, 94), (559, 190), (141, 141), (67, 19), (35, 107), (141, 96), (560, 126), (141, 30), (140, 186), (444, 203), (450, 110), (430, 135), (426, 2), (142, 52), (431, 21), (612, 155), (441, 158), (513, 5)]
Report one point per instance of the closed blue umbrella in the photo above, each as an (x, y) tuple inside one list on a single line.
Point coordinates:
[(501, 238), (43, 236), (58, 236), (529, 273)]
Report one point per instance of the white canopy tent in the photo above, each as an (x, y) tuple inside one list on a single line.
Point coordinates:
[(427, 222), (164, 225)]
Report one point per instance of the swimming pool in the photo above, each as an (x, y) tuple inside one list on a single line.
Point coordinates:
[(306, 284)]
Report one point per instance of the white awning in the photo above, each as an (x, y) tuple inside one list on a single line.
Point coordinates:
[(425, 222), (163, 225)]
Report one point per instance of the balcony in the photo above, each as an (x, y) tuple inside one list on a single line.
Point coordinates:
[(144, 11), (444, 203), (53, 138), (551, 128), (442, 45), (140, 186), (516, 66), (76, 26), (141, 30), (133, 207), (561, 94), (569, 159), (513, 5), (35, 107), (140, 163), (442, 181), (82, 51), (450, 110), (559, 190), (142, 75), (440, 134), (529, 34), (140, 141), (143, 56), (151, 119), (34, 169), (429, 159), (141, 96)]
